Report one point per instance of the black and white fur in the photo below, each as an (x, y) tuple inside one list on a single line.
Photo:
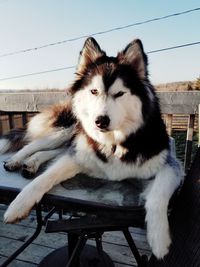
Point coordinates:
[(111, 128)]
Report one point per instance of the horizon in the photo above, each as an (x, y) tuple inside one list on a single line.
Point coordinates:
[(36, 24)]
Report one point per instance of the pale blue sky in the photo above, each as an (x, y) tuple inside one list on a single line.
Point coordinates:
[(26, 24)]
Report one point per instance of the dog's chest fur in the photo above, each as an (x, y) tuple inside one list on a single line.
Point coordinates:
[(112, 167)]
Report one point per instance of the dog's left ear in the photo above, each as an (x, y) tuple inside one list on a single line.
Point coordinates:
[(134, 55), (90, 53)]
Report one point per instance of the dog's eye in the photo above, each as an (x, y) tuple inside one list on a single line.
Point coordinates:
[(120, 93), (94, 91)]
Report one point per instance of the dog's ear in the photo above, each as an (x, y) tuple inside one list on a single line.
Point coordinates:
[(90, 53), (134, 55)]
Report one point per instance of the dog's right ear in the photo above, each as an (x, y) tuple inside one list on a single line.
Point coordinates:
[(90, 53)]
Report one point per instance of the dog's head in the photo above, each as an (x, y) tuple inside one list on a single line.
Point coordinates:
[(111, 95)]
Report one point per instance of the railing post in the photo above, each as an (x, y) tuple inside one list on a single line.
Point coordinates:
[(11, 120), (189, 141), (24, 119), (169, 118)]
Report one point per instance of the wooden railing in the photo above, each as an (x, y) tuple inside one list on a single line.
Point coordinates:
[(180, 111)]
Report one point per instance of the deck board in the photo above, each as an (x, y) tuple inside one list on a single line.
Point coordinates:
[(12, 236)]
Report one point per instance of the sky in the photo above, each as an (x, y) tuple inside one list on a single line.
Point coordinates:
[(34, 23)]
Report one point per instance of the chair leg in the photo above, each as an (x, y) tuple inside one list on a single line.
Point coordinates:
[(74, 259), (141, 260), (30, 240)]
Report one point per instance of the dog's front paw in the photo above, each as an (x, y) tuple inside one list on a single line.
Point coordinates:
[(15, 213), (28, 170), (11, 165), (21, 206), (160, 242)]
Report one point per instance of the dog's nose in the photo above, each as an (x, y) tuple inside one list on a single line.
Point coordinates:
[(102, 122)]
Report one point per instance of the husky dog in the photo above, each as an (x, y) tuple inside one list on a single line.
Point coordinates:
[(111, 127)]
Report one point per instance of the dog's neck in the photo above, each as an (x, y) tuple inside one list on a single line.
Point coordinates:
[(106, 145), (106, 150), (119, 151)]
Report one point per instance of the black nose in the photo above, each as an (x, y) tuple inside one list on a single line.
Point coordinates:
[(102, 122)]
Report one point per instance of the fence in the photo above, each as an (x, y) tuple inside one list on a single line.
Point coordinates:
[(180, 111)]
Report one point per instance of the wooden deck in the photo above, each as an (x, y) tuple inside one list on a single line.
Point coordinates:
[(12, 236)]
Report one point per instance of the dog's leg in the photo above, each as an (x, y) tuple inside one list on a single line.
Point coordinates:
[(31, 164), (49, 142), (157, 200), (62, 169)]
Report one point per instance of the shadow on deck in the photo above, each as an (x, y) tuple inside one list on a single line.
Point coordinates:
[(12, 237)]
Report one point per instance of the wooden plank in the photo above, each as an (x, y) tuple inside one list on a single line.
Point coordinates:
[(179, 102), (121, 254), (29, 101), (171, 102), (118, 238), (17, 263), (22, 233), (34, 253)]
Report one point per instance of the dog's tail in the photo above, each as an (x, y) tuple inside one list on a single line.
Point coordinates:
[(13, 140)]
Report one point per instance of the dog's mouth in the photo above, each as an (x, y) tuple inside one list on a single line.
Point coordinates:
[(102, 130)]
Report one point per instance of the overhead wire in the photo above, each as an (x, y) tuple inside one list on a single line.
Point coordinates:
[(98, 33), (37, 73), (73, 67), (173, 47)]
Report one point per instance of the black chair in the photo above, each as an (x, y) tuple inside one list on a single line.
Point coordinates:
[(185, 224)]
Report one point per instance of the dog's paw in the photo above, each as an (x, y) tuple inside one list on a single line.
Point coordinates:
[(22, 205), (160, 242), (11, 165), (27, 173), (29, 170), (16, 212)]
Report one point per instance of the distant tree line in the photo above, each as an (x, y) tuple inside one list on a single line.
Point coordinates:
[(197, 84)]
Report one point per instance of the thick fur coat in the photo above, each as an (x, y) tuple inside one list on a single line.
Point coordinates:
[(111, 127)]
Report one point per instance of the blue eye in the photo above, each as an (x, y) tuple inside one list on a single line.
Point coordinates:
[(120, 93), (94, 91)]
